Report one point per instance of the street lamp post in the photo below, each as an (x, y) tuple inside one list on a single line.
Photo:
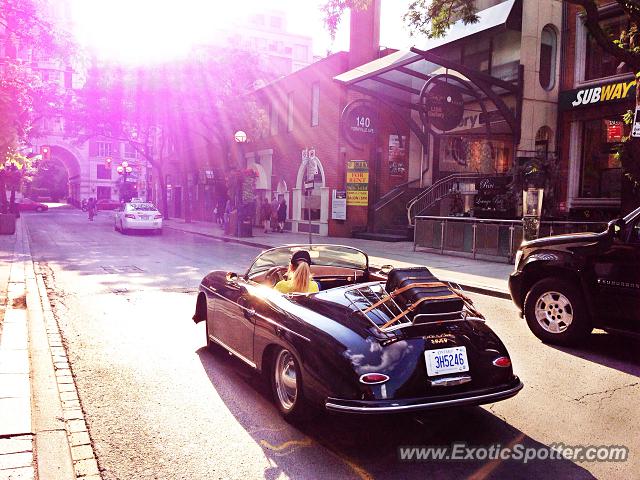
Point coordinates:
[(240, 138), (125, 170)]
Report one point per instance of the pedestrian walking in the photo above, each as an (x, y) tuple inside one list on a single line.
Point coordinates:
[(274, 214), (265, 214), (282, 215), (91, 208)]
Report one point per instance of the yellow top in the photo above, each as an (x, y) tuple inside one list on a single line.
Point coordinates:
[(286, 286)]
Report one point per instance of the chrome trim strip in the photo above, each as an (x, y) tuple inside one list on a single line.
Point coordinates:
[(450, 381), (444, 403), (253, 313), (232, 351)]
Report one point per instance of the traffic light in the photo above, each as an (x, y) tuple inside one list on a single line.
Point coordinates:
[(107, 162), (45, 151)]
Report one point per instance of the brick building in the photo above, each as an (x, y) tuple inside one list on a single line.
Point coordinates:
[(596, 91)]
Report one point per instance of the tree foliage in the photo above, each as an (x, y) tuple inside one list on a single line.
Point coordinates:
[(170, 113), (24, 97)]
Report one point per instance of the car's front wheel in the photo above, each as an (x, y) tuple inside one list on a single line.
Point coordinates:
[(556, 313), (286, 384)]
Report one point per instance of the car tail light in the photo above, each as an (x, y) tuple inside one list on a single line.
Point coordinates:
[(502, 362), (129, 215), (156, 217), (373, 378)]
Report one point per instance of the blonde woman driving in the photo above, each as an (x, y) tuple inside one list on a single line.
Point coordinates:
[(298, 276)]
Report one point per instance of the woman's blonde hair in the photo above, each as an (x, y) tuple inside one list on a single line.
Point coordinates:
[(300, 275)]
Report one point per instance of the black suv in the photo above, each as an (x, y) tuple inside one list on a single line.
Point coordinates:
[(566, 285)]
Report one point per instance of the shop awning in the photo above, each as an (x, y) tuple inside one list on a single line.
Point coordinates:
[(399, 77), (500, 15)]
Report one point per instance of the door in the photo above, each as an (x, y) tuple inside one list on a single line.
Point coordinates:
[(177, 202), (234, 319), (617, 272)]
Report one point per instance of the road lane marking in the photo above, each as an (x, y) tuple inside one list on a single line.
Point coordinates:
[(309, 442), (487, 469)]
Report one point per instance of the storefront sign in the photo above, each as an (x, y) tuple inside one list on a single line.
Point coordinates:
[(397, 156), (360, 122), (597, 95), (635, 130), (357, 183), (339, 205), (445, 107)]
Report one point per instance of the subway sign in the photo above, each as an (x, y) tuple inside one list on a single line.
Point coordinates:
[(597, 95)]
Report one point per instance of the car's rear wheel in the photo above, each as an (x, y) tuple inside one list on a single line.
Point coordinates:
[(286, 384), (40, 209), (556, 313)]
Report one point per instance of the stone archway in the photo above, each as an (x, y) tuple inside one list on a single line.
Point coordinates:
[(64, 155)]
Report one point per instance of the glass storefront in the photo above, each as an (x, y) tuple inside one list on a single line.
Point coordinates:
[(599, 64), (601, 170)]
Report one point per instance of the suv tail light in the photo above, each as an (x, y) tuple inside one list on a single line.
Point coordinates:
[(156, 217), (129, 215)]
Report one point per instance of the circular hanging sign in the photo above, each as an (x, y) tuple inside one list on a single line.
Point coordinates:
[(360, 122), (444, 106)]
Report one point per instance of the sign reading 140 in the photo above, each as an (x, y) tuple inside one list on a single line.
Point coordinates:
[(363, 122)]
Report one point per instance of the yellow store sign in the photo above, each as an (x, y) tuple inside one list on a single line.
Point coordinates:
[(357, 183)]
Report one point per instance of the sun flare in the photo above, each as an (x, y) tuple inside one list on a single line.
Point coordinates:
[(147, 31)]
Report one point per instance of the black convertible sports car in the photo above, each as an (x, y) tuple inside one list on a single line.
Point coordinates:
[(370, 341)]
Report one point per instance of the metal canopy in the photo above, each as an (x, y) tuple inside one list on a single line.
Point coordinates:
[(396, 80)]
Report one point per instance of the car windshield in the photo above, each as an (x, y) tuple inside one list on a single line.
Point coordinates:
[(327, 255), (632, 215), (143, 207)]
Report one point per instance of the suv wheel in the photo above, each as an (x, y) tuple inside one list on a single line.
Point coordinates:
[(556, 313)]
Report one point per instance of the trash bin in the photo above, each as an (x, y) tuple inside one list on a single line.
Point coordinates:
[(246, 229), (7, 223)]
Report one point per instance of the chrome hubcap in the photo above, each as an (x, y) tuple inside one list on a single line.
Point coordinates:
[(554, 312), (285, 379)]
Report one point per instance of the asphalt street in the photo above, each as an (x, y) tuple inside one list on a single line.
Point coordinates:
[(159, 405)]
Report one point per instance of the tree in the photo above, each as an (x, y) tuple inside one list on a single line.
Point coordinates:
[(169, 112), (433, 17), (24, 97)]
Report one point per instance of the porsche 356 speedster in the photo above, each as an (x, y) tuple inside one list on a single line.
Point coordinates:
[(372, 340)]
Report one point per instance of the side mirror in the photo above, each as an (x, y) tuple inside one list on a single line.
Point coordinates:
[(232, 277)]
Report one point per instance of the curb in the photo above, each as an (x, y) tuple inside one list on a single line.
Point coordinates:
[(468, 287), (62, 447)]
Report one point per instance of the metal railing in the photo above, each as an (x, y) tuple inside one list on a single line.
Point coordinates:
[(394, 193), (437, 192), (488, 239)]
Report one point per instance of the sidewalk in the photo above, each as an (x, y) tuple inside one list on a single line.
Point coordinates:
[(479, 276), (42, 430)]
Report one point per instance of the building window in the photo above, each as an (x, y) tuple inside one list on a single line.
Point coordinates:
[(315, 104), (276, 23), (103, 173), (599, 64), (103, 193), (130, 151), (300, 53), (548, 49), (477, 55), (290, 112), (104, 149), (273, 119), (601, 170)]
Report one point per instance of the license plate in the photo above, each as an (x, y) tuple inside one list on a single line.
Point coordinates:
[(446, 360), (144, 217)]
